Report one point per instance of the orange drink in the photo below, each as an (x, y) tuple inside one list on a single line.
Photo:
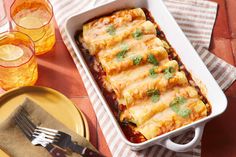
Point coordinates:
[(34, 18), (18, 66)]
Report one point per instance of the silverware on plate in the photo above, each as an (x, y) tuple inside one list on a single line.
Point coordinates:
[(58, 138), (40, 139)]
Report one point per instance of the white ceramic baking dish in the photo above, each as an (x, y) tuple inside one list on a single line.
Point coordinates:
[(184, 49)]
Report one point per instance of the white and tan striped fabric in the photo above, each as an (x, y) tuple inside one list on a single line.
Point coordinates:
[(196, 18)]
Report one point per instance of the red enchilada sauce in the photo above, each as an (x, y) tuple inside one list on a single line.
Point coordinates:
[(98, 74)]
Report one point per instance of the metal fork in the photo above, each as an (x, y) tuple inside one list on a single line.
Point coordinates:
[(60, 139), (39, 139)]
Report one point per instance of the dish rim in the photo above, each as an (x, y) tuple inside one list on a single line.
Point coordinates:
[(175, 132)]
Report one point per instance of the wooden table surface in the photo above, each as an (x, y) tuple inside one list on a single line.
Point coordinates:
[(57, 71)]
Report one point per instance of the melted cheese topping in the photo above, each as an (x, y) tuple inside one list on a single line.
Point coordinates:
[(157, 95)]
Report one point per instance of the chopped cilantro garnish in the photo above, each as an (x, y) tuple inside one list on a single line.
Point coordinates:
[(123, 51), (137, 60), (155, 98), (151, 59), (169, 72), (111, 30), (121, 54), (151, 92), (137, 34), (178, 101), (152, 72), (154, 94), (175, 106), (184, 113)]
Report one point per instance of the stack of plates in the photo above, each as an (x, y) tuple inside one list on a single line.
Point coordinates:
[(50, 100)]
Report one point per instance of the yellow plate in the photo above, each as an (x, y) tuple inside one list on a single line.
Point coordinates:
[(50, 100), (86, 126)]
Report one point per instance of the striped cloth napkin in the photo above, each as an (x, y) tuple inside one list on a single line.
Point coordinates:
[(196, 18)]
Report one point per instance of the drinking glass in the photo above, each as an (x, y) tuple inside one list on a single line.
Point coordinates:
[(18, 66), (4, 24), (34, 18)]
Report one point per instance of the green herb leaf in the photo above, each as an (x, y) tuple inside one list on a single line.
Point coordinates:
[(137, 34), (152, 72), (111, 30), (155, 98), (121, 55), (178, 101), (151, 59), (151, 92), (137, 60), (169, 72), (154, 94), (175, 106), (123, 51), (184, 113)]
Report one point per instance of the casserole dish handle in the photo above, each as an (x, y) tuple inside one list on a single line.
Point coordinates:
[(169, 144)]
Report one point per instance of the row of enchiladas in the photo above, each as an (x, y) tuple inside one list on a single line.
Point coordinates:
[(153, 89)]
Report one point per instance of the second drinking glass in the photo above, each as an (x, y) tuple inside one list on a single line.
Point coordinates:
[(34, 18), (18, 65)]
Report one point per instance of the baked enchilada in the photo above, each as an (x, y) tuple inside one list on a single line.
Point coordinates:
[(142, 78)]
